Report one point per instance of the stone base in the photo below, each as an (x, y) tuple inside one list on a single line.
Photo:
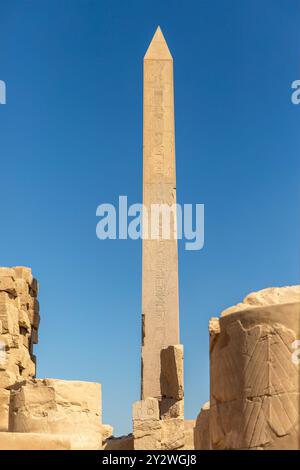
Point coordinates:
[(152, 433)]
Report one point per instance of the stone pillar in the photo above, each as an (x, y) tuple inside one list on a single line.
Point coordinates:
[(160, 312), (162, 387), (254, 399)]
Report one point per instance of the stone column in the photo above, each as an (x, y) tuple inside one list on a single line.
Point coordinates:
[(254, 399)]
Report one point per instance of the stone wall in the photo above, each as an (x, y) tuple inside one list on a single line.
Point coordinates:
[(19, 321)]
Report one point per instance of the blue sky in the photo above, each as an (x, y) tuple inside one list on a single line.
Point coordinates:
[(71, 139)]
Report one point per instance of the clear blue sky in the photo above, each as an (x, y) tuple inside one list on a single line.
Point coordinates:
[(71, 138)]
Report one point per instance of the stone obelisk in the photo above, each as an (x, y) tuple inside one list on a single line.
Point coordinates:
[(160, 312)]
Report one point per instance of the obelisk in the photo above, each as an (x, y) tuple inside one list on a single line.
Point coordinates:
[(160, 312)]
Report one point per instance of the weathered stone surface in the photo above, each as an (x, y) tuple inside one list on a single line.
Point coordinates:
[(214, 330), (150, 432), (22, 272), (7, 285), (42, 441), (4, 409), (145, 410), (7, 272), (119, 443), (171, 377), (19, 322), (34, 441), (9, 318), (146, 424), (86, 440), (201, 429), (189, 425), (254, 382), (160, 266), (266, 297), (172, 434), (107, 432), (171, 408), (56, 406), (7, 378)]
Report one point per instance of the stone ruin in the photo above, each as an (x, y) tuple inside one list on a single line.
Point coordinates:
[(254, 384), (39, 413)]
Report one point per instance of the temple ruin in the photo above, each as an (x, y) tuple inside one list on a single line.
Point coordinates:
[(254, 383)]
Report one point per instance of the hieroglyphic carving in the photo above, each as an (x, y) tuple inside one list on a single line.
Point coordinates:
[(254, 382), (146, 424)]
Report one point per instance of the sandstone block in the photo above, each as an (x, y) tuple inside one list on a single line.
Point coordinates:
[(107, 432), (19, 320), (8, 378), (10, 342), (172, 372), (171, 408), (7, 272), (146, 424), (23, 273), (24, 321), (147, 435), (7, 285), (172, 434), (8, 298), (9, 317), (145, 410), (58, 407)]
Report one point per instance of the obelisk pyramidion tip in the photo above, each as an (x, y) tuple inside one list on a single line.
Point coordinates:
[(158, 48)]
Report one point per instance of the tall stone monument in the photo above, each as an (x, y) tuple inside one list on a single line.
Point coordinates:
[(160, 313), (158, 419)]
